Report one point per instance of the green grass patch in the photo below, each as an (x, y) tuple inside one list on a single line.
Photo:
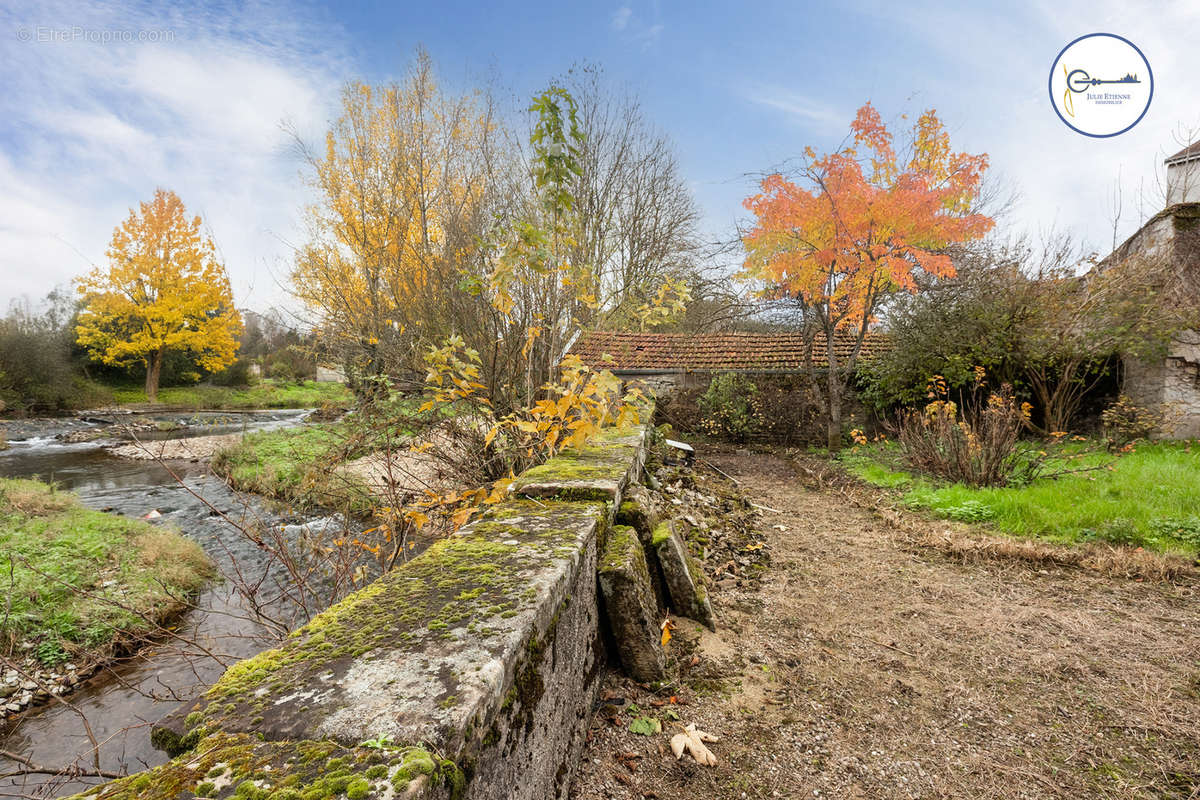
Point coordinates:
[(301, 466), (266, 393), (293, 465), (85, 583), (1144, 498)]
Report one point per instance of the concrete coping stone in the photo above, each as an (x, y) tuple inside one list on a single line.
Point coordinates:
[(423, 654)]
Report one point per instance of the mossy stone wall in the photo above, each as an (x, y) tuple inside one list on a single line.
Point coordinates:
[(469, 672)]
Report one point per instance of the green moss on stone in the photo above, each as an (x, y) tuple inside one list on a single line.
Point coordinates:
[(455, 583), (620, 550), (304, 770), (661, 533)]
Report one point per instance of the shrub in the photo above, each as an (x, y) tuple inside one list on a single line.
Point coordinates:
[(236, 374), (1185, 529), (1118, 531), (1125, 421), (731, 407), (978, 445), (969, 511)]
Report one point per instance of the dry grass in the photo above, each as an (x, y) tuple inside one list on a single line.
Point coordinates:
[(904, 659)]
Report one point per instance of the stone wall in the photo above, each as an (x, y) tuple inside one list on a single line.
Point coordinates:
[(469, 672), (1170, 384)]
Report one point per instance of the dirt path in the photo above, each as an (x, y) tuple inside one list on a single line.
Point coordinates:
[(862, 667)]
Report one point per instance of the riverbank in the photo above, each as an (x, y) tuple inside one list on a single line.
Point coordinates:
[(192, 448), (83, 588), (267, 393)]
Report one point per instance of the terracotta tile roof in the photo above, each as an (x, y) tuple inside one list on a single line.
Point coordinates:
[(1186, 154), (711, 352)]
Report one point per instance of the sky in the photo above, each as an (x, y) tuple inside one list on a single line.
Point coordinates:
[(103, 102)]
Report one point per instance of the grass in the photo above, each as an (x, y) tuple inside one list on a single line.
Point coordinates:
[(82, 583), (1144, 498), (284, 464), (297, 466), (266, 393)]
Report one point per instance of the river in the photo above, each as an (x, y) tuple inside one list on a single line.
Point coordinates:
[(121, 703)]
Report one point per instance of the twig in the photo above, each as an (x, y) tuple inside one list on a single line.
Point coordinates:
[(719, 471), (884, 644), (766, 508), (32, 768)]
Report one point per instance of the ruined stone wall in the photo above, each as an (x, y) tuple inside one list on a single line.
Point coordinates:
[(469, 672), (1181, 387), (1170, 384)]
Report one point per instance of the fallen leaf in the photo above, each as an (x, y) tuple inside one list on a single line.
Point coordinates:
[(645, 726), (666, 626), (692, 741)]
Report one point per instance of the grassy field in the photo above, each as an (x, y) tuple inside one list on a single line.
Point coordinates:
[(1145, 498), (296, 466), (264, 394), (84, 582)]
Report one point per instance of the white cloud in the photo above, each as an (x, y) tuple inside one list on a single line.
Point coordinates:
[(804, 110), (90, 128), (635, 28)]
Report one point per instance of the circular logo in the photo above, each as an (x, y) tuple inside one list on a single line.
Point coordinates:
[(1101, 85)]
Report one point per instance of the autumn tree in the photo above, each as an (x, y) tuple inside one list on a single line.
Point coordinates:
[(402, 206), (858, 225), (163, 290)]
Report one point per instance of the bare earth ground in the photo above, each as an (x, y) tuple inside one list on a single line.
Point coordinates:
[(864, 666)]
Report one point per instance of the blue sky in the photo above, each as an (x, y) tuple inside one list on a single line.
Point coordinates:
[(195, 101)]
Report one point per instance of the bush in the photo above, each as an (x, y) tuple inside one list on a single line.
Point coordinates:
[(236, 374), (1125, 421), (977, 446), (731, 407), (797, 409)]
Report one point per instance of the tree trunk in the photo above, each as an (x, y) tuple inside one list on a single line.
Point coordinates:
[(835, 397), (153, 369)]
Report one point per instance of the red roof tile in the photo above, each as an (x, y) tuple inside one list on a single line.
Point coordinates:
[(712, 352)]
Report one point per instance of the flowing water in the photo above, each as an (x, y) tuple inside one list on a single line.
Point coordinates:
[(121, 703)]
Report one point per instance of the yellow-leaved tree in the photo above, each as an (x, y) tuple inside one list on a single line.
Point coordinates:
[(401, 208), (163, 290)]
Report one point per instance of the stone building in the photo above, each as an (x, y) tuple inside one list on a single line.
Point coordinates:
[(1172, 383)]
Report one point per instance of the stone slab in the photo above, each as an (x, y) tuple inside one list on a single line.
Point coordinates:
[(599, 471), (685, 582), (243, 767), (630, 606), (461, 649)]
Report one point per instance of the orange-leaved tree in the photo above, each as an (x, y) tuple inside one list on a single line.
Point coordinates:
[(859, 225), (163, 290)]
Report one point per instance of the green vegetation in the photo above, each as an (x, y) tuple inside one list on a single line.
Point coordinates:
[(267, 393), (295, 465), (1144, 498), (289, 770), (84, 582)]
